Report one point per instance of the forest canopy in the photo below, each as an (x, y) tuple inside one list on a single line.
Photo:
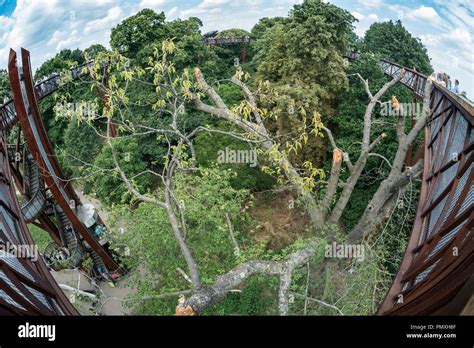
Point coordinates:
[(249, 239)]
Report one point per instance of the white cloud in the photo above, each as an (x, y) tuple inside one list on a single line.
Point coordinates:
[(458, 12), (172, 13), (114, 15), (371, 3), (46, 27), (156, 5), (358, 15), (452, 52), (213, 3), (364, 22), (206, 7), (461, 35), (372, 17), (424, 13), (5, 25)]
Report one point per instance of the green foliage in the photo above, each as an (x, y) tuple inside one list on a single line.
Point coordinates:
[(207, 148), (263, 25), (40, 237), (393, 42), (137, 31), (257, 296), (92, 51), (301, 80), (4, 86), (358, 287), (393, 237), (257, 33), (303, 57), (108, 185), (308, 47), (231, 55), (234, 32), (205, 198), (137, 36), (81, 145), (72, 92), (352, 286), (54, 126), (63, 60)]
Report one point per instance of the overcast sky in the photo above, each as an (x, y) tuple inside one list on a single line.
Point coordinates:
[(45, 27)]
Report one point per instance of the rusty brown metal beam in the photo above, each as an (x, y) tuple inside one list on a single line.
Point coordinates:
[(22, 272), (38, 143)]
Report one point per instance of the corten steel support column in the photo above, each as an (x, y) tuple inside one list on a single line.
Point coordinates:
[(26, 287), (8, 118), (35, 134)]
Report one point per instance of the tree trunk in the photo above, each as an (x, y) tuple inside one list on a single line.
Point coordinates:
[(347, 191), (374, 212), (333, 180)]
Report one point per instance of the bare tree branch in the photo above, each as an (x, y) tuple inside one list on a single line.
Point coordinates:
[(232, 235), (365, 150), (206, 296)]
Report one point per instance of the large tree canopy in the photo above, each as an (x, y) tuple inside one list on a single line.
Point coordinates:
[(393, 42), (137, 36), (63, 60), (137, 31), (295, 102), (303, 56)]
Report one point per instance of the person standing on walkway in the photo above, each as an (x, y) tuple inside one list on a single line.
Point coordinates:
[(455, 89)]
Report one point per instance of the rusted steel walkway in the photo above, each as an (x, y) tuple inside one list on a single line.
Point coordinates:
[(28, 114), (57, 213), (26, 287), (436, 275)]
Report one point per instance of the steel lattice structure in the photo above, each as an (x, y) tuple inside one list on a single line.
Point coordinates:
[(411, 79), (352, 55), (26, 105)]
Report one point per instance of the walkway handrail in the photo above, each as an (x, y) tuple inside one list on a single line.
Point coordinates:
[(225, 40), (43, 88)]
